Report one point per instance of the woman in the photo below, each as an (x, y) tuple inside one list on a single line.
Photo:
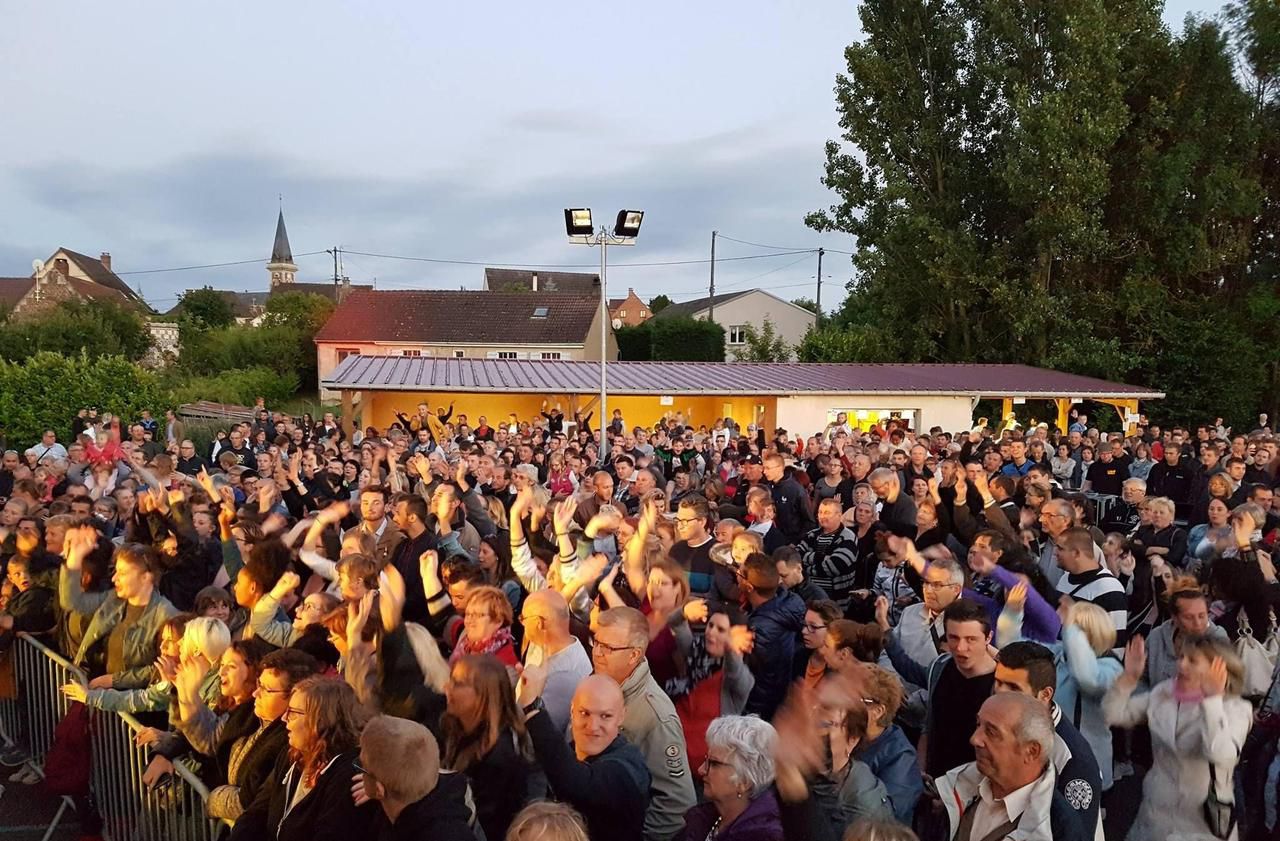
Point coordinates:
[(1207, 540), (486, 627), (737, 778), (307, 797), (716, 681), (1140, 467), (810, 664), (1159, 548), (1063, 466), (495, 560), (547, 821), (1086, 460), (559, 476), (217, 603), (847, 790), (666, 593), (885, 749), (484, 738), (919, 490), (1198, 724), (866, 526)]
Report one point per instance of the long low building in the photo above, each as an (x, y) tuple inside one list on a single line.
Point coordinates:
[(796, 396)]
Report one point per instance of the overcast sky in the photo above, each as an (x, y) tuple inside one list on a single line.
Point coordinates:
[(164, 133)]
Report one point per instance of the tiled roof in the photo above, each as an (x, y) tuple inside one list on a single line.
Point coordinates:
[(100, 274), (397, 373), (471, 317), (521, 280), (325, 290), (689, 308), (243, 304), (13, 290)]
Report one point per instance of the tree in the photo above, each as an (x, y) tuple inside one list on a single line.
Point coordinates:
[(635, 344), (302, 310), (658, 303), (806, 304), (686, 339), (763, 345), (207, 308), (98, 328)]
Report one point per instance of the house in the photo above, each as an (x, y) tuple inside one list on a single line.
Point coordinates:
[(629, 311), (463, 324), (800, 397), (67, 276), (249, 306), (735, 310), (526, 280)]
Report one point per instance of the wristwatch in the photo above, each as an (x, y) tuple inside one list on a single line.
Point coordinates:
[(534, 706)]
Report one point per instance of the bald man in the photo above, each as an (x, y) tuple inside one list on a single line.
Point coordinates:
[(549, 643), (605, 778)]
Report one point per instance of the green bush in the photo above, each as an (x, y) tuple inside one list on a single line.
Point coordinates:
[(241, 386), (686, 340), (46, 390), (634, 343), (284, 349)]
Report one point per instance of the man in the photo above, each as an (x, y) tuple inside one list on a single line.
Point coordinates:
[(1088, 580), (1106, 475), (48, 449), (236, 446), (1028, 668), (790, 502), (776, 618), (174, 429), (897, 511), (1056, 516), (550, 645), (601, 494), (651, 723), (693, 549), (921, 633), (1190, 618), (955, 684), (418, 799), (605, 777), (1172, 477), (1008, 790), (1018, 463), (9, 462), (830, 553), (374, 521), (761, 509), (624, 467), (1123, 517), (190, 463), (410, 518), (751, 474)]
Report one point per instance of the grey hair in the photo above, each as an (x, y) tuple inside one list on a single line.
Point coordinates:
[(1034, 722), (1136, 483), (953, 570), (750, 743), (883, 474), (729, 521), (13, 453)]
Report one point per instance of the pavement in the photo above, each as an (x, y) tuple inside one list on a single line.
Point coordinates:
[(26, 813)]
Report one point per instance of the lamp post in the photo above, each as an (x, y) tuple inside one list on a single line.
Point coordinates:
[(581, 231)]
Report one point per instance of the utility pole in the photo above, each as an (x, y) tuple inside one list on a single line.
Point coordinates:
[(818, 321), (335, 251), (711, 316)]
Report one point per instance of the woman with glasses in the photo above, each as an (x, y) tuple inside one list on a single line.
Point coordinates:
[(484, 738), (307, 796), (737, 782), (810, 664), (486, 627)]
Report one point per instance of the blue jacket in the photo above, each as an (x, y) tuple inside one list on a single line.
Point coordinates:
[(776, 625), (892, 758)]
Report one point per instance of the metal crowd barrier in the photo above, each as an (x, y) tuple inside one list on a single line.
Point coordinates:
[(130, 810)]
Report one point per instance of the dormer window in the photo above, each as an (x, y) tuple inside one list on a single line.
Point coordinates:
[(541, 312)]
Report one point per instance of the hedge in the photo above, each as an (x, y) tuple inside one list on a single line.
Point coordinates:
[(686, 340), (241, 386)]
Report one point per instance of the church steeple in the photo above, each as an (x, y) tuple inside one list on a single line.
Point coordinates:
[(281, 266)]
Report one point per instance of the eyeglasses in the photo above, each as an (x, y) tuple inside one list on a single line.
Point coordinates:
[(687, 520), (813, 629), (265, 691), (938, 585), (708, 762), (291, 713), (611, 649)]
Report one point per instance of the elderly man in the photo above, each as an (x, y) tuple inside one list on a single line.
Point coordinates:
[(651, 723), (920, 632), (1123, 516), (1010, 785), (605, 777), (418, 800), (830, 553), (550, 645), (1056, 516), (48, 449), (897, 511)]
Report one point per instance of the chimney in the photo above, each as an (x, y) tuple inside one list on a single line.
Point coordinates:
[(60, 266), (535, 281), (105, 259)]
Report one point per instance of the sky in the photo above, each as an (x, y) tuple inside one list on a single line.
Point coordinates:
[(166, 134)]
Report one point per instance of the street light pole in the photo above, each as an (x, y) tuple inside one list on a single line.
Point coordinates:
[(605, 326)]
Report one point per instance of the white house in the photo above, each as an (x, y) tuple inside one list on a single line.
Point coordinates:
[(735, 310)]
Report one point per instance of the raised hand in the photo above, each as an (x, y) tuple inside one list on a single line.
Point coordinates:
[(1215, 679), (287, 584), (1017, 597), (695, 610), (882, 612), (1135, 658), (563, 517), (741, 639), (358, 614), (334, 512), (189, 675), (533, 680)]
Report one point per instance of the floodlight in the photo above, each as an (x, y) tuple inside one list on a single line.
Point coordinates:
[(628, 224), (577, 222)]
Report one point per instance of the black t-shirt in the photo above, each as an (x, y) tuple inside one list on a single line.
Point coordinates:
[(1107, 477), (697, 561), (954, 708)]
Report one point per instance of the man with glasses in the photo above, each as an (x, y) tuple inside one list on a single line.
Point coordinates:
[(920, 633), (693, 549), (651, 723), (1056, 516), (549, 644)]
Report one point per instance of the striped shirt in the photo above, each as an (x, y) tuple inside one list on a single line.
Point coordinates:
[(1100, 587)]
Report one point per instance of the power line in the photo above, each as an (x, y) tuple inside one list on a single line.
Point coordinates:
[(799, 259), (210, 265), (782, 247), (570, 265)]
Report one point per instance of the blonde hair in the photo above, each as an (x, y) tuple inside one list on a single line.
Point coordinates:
[(1209, 648), (1162, 503), (206, 635), (1096, 624), (495, 601), (547, 821)]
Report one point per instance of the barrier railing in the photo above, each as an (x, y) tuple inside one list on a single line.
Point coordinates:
[(129, 809)]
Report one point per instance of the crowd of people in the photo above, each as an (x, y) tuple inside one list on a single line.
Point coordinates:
[(533, 629)]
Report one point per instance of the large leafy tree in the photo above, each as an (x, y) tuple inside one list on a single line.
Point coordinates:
[(1060, 182), (207, 308), (98, 328)]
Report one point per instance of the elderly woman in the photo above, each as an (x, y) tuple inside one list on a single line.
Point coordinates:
[(487, 627), (737, 781)]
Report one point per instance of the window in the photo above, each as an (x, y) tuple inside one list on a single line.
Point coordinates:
[(459, 354), (408, 352), (550, 354), (503, 354), (344, 352), (738, 334), (644, 314), (622, 313), (540, 312)]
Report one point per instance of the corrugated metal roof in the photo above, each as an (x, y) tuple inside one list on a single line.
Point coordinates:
[(562, 376)]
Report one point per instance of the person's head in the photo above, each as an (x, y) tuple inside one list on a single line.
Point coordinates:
[(774, 467), (1096, 623), (400, 759), (547, 820), (744, 545), (214, 602), (621, 638), (602, 485), (480, 706), (968, 629), (410, 513), (207, 637), (668, 586), (885, 484), (357, 575), (373, 504), (831, 515), (238, 670), (545, 617), (1029, 668), (691, 519), (1074, 550), (137, 571), (1162, 511), (279, 672), (943, 581), (488, 610), (1012, 741), (1236, 468), (1262, 496), (850, 644), (1196, 656), (818, 617), (1188, 606), (323, 719), (882, 695), (1133, 491), (596, 713), (739, 759), (759, 578)]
